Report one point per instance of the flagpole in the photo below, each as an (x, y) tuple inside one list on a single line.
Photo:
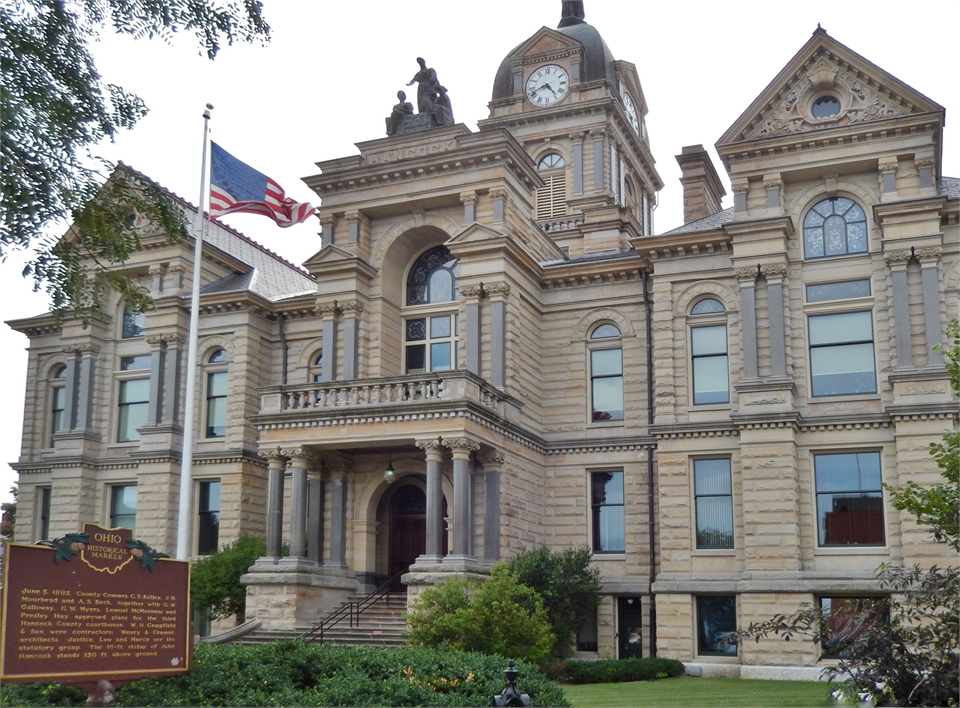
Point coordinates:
[(186, 465)]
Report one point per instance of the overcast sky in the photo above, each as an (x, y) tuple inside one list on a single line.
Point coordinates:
[(331, 72)]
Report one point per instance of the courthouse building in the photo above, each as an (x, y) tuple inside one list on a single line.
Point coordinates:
[(494, 350)]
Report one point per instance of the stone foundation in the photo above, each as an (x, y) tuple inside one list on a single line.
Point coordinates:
[(294, 595)]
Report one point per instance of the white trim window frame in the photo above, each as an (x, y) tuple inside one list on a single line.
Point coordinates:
[(709, 353), (215, 395), (133, 396)]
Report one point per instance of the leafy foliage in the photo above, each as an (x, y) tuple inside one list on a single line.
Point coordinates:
[(215, 579), (499, 616), (569, 585), (938, 506), (56, 108), (648, 668), (301, 674), (8, 522)]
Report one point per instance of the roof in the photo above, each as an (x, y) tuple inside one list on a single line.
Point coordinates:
[(591, 258), (949, 187), (272, 276), (707, 223)]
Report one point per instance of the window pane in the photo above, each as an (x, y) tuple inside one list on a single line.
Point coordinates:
[(607, 488), (842, 370), (849, 499), (711, 477), (210, 496), (440, 357), (715, 522), (706, 306), (416, 330), (135, 391), (709, 340), (132, 416), (133, 323), (848, 472), (416, 359), (123, 506), (218, 357), (217, 384), (716, 620), (604, 331), (710, 380), (208, 528), (608, 518), (606, 362), (216, 417), (838, 291), (130, 363), (441, 286), (608, 398), (440, 326), (840, 328)]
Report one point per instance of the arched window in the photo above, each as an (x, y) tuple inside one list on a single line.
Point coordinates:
[(217, 396), (316, 367), (834, 227), (552, 197), (708, 353), (433, 278), (133, 324), (58, 402), (606, 375)]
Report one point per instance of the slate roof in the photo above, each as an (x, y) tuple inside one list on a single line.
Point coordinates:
[(271, 276), (949, 187), (707, 223), (591, 258)]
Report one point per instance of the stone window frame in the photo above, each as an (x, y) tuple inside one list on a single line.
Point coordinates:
[(698, 606), (57, 388), (199, 549), (595, 343), (712, 550), (554, 192), (426, 311), (701, 321), (123, 377), (877, 493), (213, 368), (856, 307), (596, 513), (112, 514), (810, 209), (315, 366)]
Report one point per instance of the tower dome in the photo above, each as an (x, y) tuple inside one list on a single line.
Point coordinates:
[(597, 57)]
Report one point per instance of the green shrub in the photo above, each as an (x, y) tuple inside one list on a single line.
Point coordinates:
[(215, 579), (302, 674), (498, 616), (613, 670), (569, 585)]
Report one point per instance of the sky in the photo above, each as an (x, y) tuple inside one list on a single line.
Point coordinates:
[(330, 75)]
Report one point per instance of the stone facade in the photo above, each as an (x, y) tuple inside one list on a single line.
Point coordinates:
[(492, 318)]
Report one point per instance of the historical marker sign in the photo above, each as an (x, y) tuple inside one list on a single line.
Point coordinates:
[(93, 605)]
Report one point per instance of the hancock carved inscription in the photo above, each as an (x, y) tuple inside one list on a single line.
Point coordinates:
[(410, 152)]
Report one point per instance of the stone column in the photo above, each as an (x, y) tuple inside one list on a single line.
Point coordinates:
[(157, 370), (929, 273), (498, 293), (492, 466), (338, 516), (298, 502), (747, 278), (774, 275), (434, 451), (461, 448), (474, 471), (170, 409), (315, 519), (472, 294), (888, 179), (277, 465), (329, 312), (597, 159), (71, 384), (499, 197), (352, 311), (156, 273), (897, 262), (740, 190), (85, 385), (469, 201), (329, 225), (576, 148)]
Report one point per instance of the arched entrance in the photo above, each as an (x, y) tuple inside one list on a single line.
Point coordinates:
[(408, 530)]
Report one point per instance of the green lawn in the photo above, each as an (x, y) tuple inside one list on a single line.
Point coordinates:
[(689, 692)]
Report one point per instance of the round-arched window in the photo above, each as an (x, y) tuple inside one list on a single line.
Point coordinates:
[(550, 161), (834, 227), (707, 306), (825, 106), (218, 357), (604, 331), (433, 278)]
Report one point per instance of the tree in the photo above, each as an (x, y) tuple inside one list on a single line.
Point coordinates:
[(56, 108), (499, 616), (569, 585), (215, 579), (8, 521)]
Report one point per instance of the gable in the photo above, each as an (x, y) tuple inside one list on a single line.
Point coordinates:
[(545, 43), (826, 68)]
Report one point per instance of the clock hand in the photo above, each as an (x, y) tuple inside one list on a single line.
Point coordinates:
[(551, 89)]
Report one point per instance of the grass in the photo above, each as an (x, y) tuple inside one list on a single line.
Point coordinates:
[(690, 692)]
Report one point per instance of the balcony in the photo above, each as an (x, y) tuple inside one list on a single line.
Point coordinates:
[(412, 393)]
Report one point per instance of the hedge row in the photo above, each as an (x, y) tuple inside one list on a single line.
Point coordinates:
[(613, 670), (301, 674)]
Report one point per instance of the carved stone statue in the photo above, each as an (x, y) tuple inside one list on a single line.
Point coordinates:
[(403, 108), (432, 98)]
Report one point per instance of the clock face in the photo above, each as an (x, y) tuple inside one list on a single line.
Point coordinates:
[(547, 85), (631, 112)]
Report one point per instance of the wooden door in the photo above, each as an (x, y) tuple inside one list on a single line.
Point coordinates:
[(408, 529)]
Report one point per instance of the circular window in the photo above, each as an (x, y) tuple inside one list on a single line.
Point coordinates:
[(825, 106)]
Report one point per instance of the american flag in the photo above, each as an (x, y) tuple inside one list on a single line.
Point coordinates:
[(237, 187)]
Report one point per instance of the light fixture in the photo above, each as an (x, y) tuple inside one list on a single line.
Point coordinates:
[(388, 474)]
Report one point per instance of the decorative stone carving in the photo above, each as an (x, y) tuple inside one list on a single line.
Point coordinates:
[(740, 187), (773, 183), (928, 255), (432, 446), (923, 163), (295, 452), (491, 458), (354, 306), (859, 103), (498, 193), (471, 291), (746, 276), (888, 167), (468, 198), (501, 289), (329, 309), (271, 454), (897, 257), (461, 446), (432, 98), (773, 271)]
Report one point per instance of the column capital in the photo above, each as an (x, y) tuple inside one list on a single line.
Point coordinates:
[(328, 310), (328, 220), (928, 256), (740, 187), (773, 273), (156, 341), (888, 167), (355, 216), (472, 291), (492, 460), (897, 260), (297, 455), (773, 183), (461, 447), (498, 193), (468, 197), (746, 276), (274, 456), (923, 162), (577, 137), (352, 306), (433, 447), (157, 269), (499, 290)]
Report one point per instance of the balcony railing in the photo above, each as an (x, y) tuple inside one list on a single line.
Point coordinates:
[(398, 391)]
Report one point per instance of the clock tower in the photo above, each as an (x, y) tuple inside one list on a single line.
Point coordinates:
[(579, 114)]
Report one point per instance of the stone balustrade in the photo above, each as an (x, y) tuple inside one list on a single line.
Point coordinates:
[(560, 223)]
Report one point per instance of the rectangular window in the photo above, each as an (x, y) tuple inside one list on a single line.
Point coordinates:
[(716, 621), (841, 354), (217, 404), (587, 633), (133, 406), (713, 494), (849, 499), (844, 620), (44, 495), (606, 499), (208, 528), (58, 410), (606, 384), (123, 506), (133, 323), (431, 343), (846, 290), (711, 382)]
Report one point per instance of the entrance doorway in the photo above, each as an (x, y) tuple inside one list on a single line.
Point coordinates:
[(629, 627), (408, 530)]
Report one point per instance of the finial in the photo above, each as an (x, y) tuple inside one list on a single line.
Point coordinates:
[(571, 13)]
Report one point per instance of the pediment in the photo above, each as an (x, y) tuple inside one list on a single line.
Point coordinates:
[(826, 68), (545, 43), (327, 255), (475, 233)]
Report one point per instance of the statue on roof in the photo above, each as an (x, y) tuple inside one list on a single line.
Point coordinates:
[(400, 111), (432, 98)]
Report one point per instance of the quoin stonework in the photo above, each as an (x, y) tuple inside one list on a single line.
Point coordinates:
[(493, 316)]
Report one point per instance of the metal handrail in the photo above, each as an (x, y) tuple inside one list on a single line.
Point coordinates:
[(350, 611)]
